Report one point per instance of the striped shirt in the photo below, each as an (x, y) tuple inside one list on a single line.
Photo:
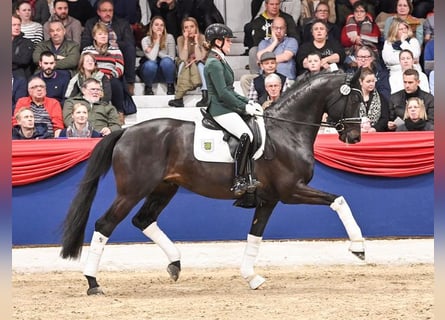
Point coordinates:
[(111, 63), (33, 31), (42, 116)]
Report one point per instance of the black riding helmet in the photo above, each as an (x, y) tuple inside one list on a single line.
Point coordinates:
[(218, 31)]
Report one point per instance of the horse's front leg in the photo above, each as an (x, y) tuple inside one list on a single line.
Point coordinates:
[(259, 222)]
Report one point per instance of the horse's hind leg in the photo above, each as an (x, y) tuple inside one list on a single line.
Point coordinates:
[(146, 218), (103, 228), (307, 195)]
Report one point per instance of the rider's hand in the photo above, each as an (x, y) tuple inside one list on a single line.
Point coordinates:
[(253, 109)]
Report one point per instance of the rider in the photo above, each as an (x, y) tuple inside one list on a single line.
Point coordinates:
[(226, 106)]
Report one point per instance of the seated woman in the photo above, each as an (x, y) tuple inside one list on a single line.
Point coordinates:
[(160, 50), (373, 107), (111, 62), (191, 68), (87, 68), (32, 30), (400, 37), (406, 62), (331, 51), (26, 128), (415, 117), (80, 127), (360, 29)]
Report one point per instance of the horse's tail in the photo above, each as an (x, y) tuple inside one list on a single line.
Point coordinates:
[(76, 220)]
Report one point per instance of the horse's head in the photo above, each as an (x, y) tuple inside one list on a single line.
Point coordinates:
[(343, 108)]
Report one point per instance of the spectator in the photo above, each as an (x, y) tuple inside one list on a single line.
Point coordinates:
[(260, 28), (204, 11), (309, 11), (406, 62), (56, 80), (80, 127), (46, 110), (273, 85), (257, 91), (313, 66), (415, 117), (428, 56), (19, 90), (88, 69), (73, 27), (160, 51), (360, 29), (32, 30), (102, 115), (331, 51), (39, 10), (428, 27), (82, 10), (22, 50), (432, 82), (346, 7), (366, 58), (120, 35), (26, 128), (284, 47), (110, 61), (291, 7), (322, 12), (66, 51), (422, 7), (168, 10), (411, 89), (373, 107), (191, 68), (403, 12), (400, 37), (128, 10)]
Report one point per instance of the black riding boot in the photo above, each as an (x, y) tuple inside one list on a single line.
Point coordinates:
[(240, 184), (204, 102)]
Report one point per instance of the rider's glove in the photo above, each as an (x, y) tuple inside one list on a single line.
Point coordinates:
[(254, 109)]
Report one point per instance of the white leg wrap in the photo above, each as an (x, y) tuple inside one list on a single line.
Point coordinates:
[(161, 239), (97, 245), (250, 255), (344, 212)]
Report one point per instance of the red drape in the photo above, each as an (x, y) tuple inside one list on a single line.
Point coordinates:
[(395, 154)]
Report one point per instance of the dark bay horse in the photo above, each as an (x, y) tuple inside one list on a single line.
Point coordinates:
[(153, 158)]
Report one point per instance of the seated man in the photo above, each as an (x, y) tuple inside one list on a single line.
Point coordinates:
[(26, 128), (102, 115), (73, 27), (46, 110), (285, 48), (411, 89)]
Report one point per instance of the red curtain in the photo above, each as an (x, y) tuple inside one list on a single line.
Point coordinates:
[(395, 154)]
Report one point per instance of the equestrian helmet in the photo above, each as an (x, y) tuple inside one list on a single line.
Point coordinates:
[(218, 31)]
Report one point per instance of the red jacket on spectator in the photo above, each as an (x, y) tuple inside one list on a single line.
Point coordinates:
[(369, 37), (51, 105)]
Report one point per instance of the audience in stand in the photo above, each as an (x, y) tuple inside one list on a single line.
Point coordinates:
[(102, 115), (411, 89), (331, 50), (81, 10), (322, 13), (406, 62), (285, 48), (373, 108), (46, 110), (110, 61), (26, 128), (120, 36), (415, 117), (56, 80), (192, 56), (80, 127), (422, 7), (73, 27), (169, 11), (88, 68), (309, 11), (360, 29), (291, 7), (22, 50), (39, 9), (160, 51), (403, 12), (428, 56), (400, 37), (313, 66), (346, 7), (273, 85), (19, 90), (32, 30), (66, 51)]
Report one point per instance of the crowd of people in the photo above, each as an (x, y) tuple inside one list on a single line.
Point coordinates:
[(74, 61)]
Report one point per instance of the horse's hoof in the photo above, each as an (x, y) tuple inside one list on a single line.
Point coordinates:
[(95, 291), (255, 281), (173, 270), (360, 255)]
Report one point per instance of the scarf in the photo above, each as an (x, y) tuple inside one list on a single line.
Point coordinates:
[(73, 132), (419, 125), (372, 109), (364, 29)]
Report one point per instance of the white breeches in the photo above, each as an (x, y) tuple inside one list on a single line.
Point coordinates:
[(233, 123)]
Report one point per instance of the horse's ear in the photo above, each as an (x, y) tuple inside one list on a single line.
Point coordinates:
[(354, 80)]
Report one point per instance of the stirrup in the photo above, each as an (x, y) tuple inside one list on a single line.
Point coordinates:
[(239, 186), (252, 185)]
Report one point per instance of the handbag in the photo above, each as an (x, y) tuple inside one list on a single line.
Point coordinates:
[(129, 106)]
